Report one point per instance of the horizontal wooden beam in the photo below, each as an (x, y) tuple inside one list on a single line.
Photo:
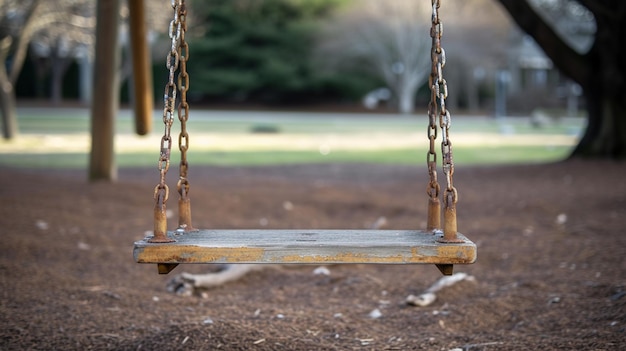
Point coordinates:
[(306, 247)]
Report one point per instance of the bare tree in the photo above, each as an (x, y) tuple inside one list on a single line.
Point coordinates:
[(18, 23), (600, 70), (58, 46), (72, 35), (573, 22), (391, 37), (476, 40), (56, 30)]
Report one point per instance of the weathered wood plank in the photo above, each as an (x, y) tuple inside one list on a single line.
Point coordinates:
[(306, 246)]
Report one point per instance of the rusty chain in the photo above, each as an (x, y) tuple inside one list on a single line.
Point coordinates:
[(184, 203), (161, 191), (431, 157), (169, 100), (183, 106), (437, 110), (440, 86)]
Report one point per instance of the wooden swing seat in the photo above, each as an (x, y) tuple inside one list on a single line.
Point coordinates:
[(301, 246)]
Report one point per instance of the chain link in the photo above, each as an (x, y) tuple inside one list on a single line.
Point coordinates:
[(161, 191), (437, 106), (183, 106), (431, 156), (433, 188)]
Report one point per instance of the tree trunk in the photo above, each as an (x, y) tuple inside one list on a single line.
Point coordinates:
[(60, 66), (605, 136), (605, 90), (106, 93), (406, 101), (7, 102), (9, 115), (142, 71), (41, 68), (8, 75), (601, 72), (405, 90)]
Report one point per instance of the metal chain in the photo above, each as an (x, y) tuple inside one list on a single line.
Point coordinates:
[(161, 191), (176, 61), (433, 188), (437, 109), (183, 106), (439, 89)]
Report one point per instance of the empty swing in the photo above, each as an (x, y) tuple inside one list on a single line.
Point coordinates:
[(437, 244)]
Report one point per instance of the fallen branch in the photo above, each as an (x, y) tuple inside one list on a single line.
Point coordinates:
[(429, 295)]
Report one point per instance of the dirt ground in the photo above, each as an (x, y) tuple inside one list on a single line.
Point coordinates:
[(550, 275)]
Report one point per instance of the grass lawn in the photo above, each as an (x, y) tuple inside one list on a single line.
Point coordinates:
[(60, 139)]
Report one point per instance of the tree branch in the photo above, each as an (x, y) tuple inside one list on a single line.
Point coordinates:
[(22, 42), (570, 62)]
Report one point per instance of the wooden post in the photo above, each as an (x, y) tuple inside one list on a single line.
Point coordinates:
[(142, 73), (105, 100)]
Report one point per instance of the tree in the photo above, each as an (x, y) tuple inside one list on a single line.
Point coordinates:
[(71, 35), (600, 71), (476, 40), (106, 86), (18, 23), (55, 29), (390, 38), (255, 50)]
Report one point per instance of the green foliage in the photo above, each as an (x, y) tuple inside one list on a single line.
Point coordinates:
[(261, 51)]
